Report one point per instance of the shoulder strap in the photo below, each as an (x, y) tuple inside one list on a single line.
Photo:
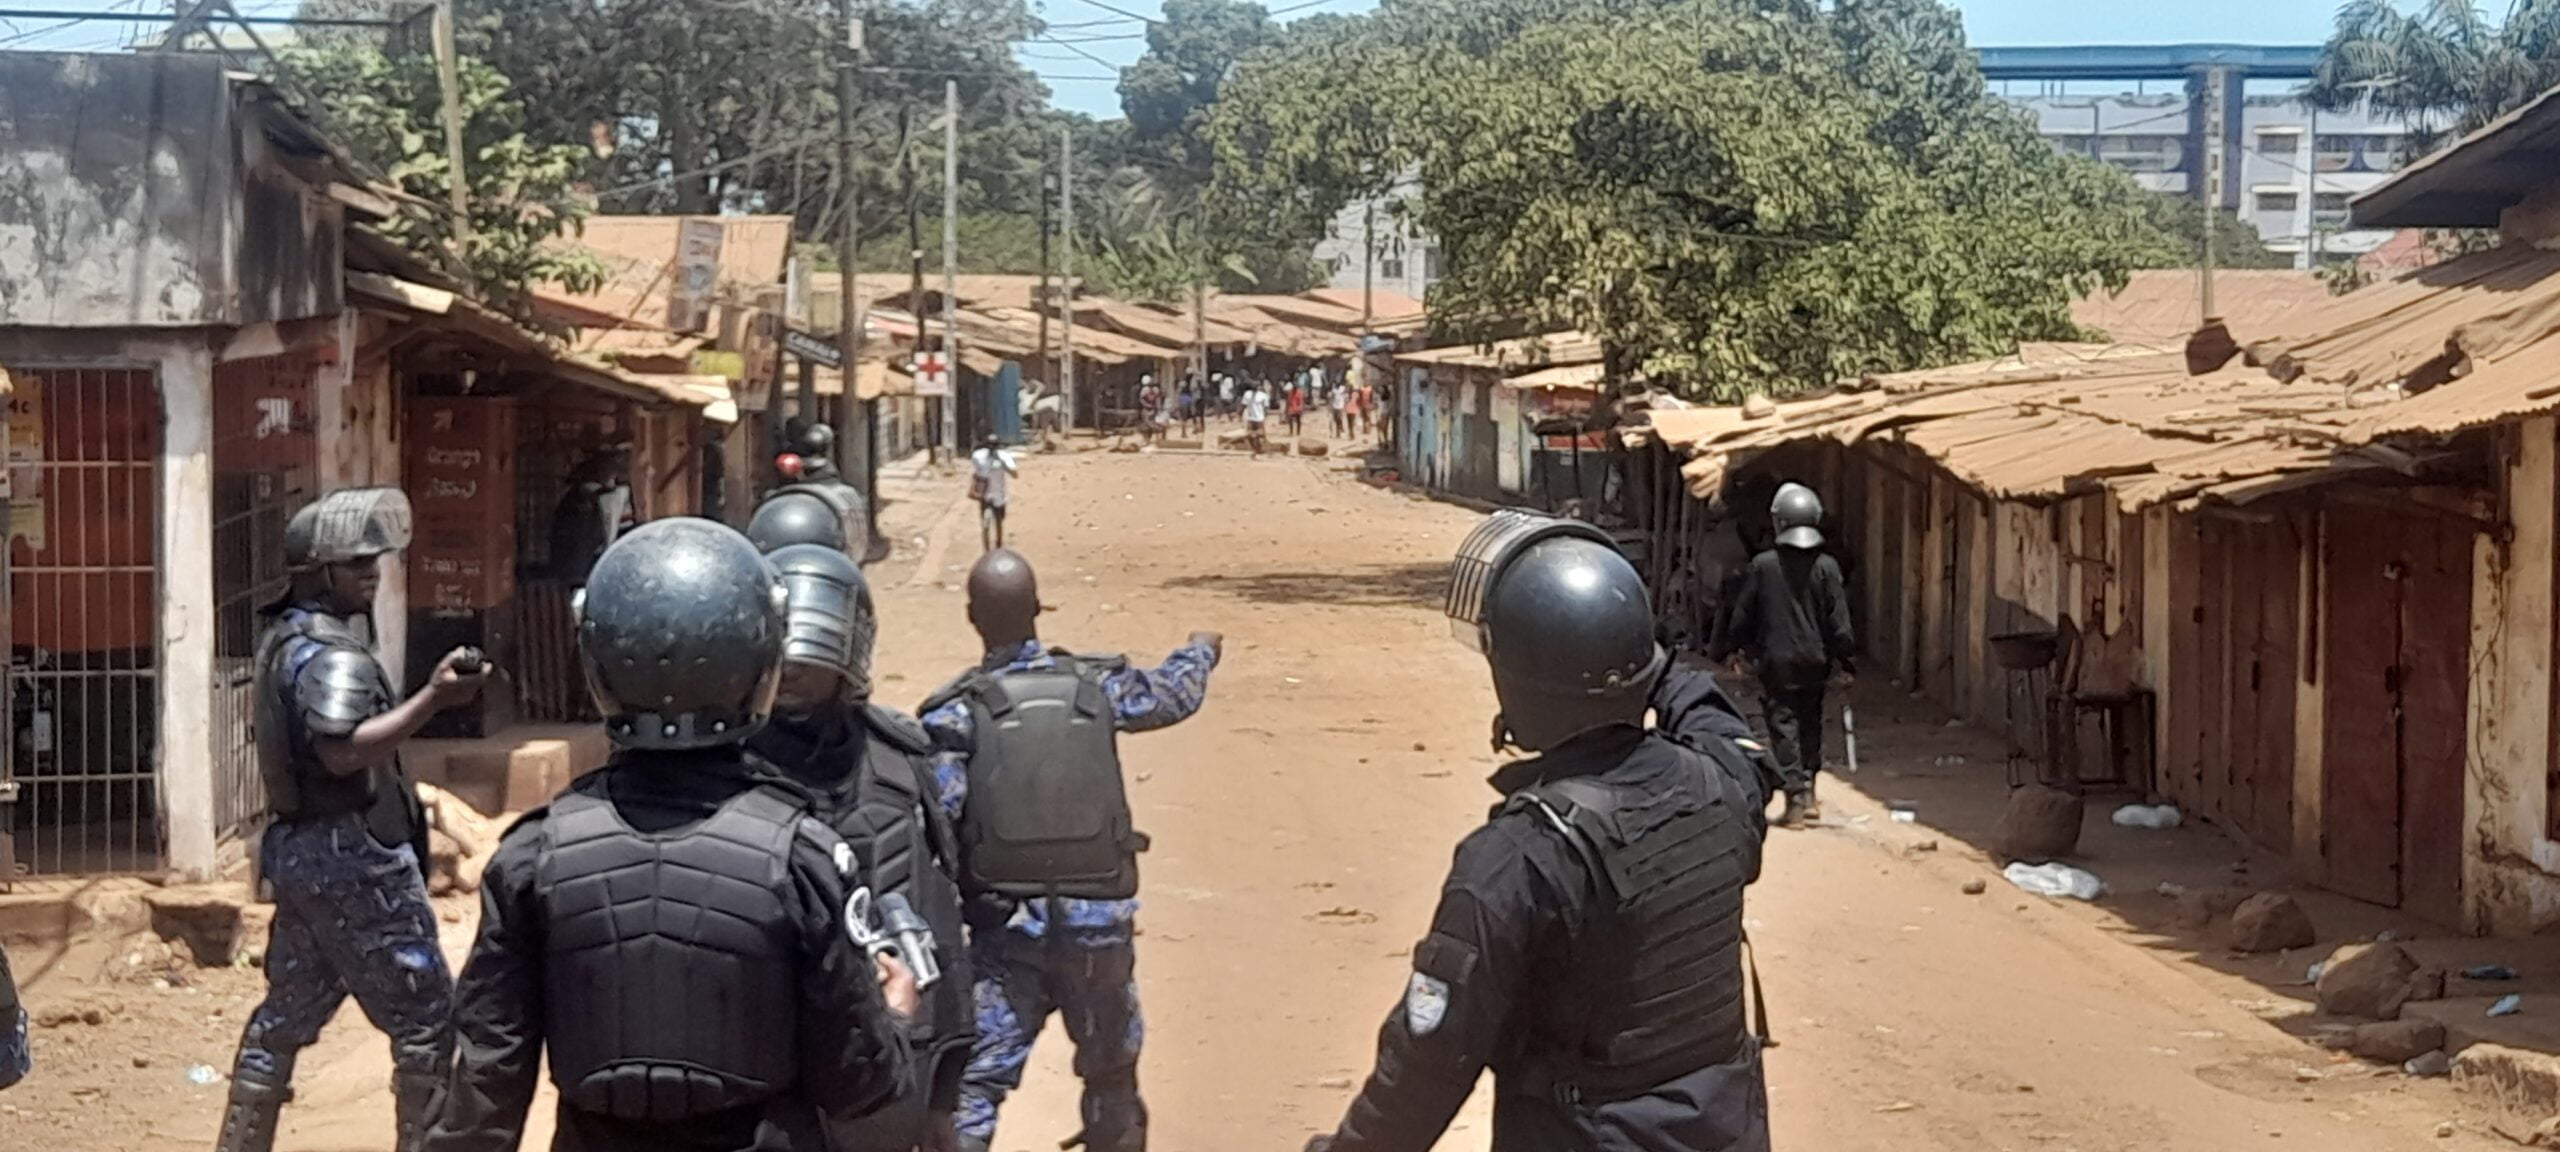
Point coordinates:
[(898, 730)]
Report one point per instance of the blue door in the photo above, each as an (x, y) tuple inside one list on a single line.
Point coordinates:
[(1004, 403)]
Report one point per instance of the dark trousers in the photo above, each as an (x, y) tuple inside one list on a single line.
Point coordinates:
[(1795, 733), (352, 919), (1094, 986)]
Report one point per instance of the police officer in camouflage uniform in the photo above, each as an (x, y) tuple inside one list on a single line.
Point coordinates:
[(870, 769), (1588, 945), (1028, 765), (672, 931), (342, 856), (15, 1058)]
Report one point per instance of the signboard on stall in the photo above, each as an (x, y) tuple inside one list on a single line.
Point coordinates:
[(26, 459), (697, 274), (460, 475)]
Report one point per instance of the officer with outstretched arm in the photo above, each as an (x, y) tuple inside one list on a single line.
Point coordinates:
[(671, 932), (1588, 945), (870, 769)]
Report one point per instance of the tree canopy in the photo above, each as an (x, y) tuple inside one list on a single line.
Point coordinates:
[(522, 194), (1735, 195), (2442, 65)]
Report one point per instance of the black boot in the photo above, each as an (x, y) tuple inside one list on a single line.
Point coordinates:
[(249, 1120), (1799, 808), (413, 1102)]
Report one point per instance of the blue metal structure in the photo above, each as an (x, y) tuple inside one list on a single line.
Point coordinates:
[(2147, 61)]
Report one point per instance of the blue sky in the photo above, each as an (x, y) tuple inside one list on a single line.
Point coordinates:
[(1082, 83), (1091, 39)]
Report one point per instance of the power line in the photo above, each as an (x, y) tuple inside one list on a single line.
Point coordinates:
[(113, 17), (1080, 52)]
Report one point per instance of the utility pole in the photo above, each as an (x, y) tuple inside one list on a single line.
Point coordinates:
[(1368, 283), (1048, 182), (2216, 84), (449, 80), (1067, 277), (950, 263), (858, 437), (915, 223)]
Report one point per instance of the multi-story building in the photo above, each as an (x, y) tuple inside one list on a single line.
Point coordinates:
[(2295, 166), (1374, 243)]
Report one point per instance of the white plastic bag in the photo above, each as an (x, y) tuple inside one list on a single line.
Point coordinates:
[(2155, 818), (2057, 880)]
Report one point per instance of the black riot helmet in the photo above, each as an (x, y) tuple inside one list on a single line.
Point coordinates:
[(1796, 515), (796, 515), (1565, 623), (681, 630), (828, 620)]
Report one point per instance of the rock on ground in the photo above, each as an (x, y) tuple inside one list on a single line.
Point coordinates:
[(2040, 824), (2370, 981), (2200, 908), (2271, 922), (2396, 1041)]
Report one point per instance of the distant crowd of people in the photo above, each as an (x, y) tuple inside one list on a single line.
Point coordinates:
[(1350, 409)]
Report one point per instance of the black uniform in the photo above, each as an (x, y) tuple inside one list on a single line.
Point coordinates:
[(716, 1005), (871, 771), (15, 1059), (1587, 948), (1791, 617)]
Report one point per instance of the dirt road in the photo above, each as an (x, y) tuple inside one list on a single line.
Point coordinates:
[(1301, 825)]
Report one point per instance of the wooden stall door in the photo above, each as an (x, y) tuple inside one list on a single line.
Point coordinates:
[(2264, 621), (2399, 635)]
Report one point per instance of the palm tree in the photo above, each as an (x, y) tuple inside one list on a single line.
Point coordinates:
[(2441, 66)]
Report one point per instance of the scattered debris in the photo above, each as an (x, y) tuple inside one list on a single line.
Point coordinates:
[(2507, 1005), (1976, 887), (203, 1075), (1899, 1106), (1334, 1083), (1925, 846), (2057, 880), (2489, 972), (1344, 914), (2306, 1075), (2432, 1064), (2154, 817)]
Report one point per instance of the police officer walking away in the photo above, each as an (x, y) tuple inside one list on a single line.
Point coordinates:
[(342, 855), (1588, 945), (1028, 762), (871, 770), (15, 1058), (1790, 618), (672, 930)]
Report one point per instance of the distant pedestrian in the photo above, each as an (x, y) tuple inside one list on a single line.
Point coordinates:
[(990, 470), (1226, 396), (1297, 409), (1339, 406), (1257, 409), (1362, 400), (1150, 408)]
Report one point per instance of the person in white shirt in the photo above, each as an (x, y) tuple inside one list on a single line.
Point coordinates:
[(990, 470), (1339, 404), (1257, 408), (1226, 395)]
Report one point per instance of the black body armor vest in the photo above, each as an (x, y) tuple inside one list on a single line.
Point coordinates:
[(1658, 978), (355, 688), (1048, 812), (671, 962)]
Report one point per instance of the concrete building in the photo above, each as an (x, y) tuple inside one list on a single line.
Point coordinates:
[(1375, 243), (2176, 115)]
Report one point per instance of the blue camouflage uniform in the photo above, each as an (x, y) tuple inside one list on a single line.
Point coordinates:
[(352, 916), (16, 1060), (1073, 957)]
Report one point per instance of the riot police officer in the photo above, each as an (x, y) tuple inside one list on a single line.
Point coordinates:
[(1588, 945), (672, 929), (342, 852), (15, 1058), (1790, 616), (870, 769), (801, 515)]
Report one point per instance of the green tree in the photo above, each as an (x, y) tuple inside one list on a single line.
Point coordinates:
[(1735, 195), (388, 111), (2442, 65)]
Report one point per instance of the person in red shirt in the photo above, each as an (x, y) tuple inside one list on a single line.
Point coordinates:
[(1297, 410)]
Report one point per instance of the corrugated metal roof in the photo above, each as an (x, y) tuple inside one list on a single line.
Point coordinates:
[(2161, 307), (2485, 305), (1557, 349), (1572, 377)]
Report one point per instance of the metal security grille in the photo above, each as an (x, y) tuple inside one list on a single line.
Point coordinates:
[(264, 453), (84, 595)]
